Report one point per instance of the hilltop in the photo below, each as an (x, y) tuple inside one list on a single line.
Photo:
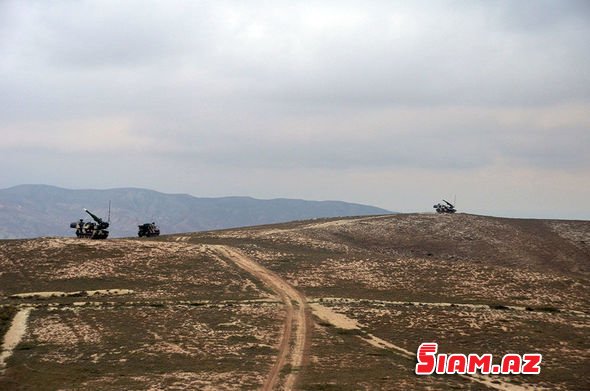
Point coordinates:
[(313, 305)]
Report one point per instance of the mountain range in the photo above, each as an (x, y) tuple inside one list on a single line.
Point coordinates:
[(28, 211)]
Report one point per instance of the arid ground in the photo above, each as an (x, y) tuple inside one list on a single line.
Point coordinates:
[(332, 304)]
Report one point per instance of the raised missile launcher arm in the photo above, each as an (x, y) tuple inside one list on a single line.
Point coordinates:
[(91, 230), (442, 208), (101, 224), (94, 217)]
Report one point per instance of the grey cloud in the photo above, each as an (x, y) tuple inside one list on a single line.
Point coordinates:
[(333, 85), (89, 35), (542, 15), (451, 58), (433, 152)]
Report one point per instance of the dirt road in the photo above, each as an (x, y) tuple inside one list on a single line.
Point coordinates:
[(296, 315), (14, 335)]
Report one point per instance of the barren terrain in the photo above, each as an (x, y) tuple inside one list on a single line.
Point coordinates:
[(326, 304)]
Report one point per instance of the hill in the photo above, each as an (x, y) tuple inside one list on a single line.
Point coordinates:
[(28, 211), (329, 304)]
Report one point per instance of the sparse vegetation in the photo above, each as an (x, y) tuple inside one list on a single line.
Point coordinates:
[(6, 314), (543, 309), (196, 320), (498, 307)]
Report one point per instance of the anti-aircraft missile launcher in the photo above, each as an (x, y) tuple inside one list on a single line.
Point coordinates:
[(89, 229), (442, 208)]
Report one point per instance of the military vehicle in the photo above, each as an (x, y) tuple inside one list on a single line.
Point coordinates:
[(442, 208), (92, 230), (148, 229)]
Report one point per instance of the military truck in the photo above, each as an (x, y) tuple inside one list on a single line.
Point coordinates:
[(148, 230)]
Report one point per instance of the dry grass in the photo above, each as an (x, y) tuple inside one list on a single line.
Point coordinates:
[(472, 283)]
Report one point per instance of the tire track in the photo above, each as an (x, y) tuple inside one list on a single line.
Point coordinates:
[(296, 313), (14, 335), (342, 321)]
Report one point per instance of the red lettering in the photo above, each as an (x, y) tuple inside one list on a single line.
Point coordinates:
[(456, 363), (483, 362), (430, 362), (511, 364), (426, 358), (531, 364), (441, 365)]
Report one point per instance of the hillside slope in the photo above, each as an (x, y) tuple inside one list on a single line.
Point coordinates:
[(310, 305)]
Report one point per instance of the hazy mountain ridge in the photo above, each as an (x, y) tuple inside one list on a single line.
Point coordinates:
[(41, 210)]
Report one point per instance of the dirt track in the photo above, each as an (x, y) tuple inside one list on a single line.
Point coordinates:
[(288, 295), (294, 314), (13, 336)]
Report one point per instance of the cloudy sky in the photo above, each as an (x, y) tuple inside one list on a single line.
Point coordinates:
[(394, 104)]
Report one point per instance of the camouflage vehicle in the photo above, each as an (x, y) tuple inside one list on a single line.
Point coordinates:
[(148, 229), (89, 229), (442, 208)]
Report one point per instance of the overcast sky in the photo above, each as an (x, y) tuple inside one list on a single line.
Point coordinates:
[(394, 104)]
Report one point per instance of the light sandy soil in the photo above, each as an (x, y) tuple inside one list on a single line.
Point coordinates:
[(294, 355), (14, 335), (49, 295), (579, 314), (334, 318)]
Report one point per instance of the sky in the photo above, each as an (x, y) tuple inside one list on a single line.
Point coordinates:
[(396, 104)]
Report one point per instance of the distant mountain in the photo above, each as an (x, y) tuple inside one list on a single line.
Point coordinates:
[(39, 210)]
